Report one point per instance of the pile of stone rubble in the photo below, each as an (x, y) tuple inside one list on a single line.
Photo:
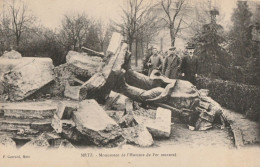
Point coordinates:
[(93, 100)]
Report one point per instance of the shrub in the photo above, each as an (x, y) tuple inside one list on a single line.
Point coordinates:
[(241, 98)]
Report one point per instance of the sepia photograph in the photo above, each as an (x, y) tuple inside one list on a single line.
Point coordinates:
[(129, 83)]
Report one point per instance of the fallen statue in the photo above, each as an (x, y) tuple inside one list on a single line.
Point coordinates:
[(198, 110), (193, 106)]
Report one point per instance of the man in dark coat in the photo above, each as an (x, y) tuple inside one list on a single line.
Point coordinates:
[(189, 66), (155, 62), (172, 64)]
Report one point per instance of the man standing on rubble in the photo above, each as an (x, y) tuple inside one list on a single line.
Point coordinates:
[(154, 62), (189, 66), (171, 64)]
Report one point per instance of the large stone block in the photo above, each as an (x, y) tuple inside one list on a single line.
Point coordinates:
[(29, 110), (93, 122), (115, 41), (25, 120), (160, 127), (63, 114), (28, 77), (72, 91), (7, 64), (11, 55), (83, 63), (138, 135)]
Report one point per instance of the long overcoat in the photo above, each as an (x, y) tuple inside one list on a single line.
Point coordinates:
[(171, 66), (156, 62)]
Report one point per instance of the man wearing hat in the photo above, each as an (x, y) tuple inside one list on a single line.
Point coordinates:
[(155, 61), (189, 66), (171, 64)]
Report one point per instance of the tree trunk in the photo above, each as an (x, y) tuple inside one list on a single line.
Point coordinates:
[(136, 52), (172, 36), (147, 43), (130, 42), (17, 40), (142, 47), (102, 46)]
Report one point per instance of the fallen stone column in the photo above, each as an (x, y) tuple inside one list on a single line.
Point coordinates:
[(101, 83)]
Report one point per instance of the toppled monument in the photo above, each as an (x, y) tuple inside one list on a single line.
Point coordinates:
[(86, 89)]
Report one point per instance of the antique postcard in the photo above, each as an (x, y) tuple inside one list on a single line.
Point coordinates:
[(129, 83)]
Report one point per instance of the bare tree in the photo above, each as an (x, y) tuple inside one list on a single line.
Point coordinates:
[(148, 33), (137, 15), (175, 12), (21, 19), (102, 32), (74, 30), (5, 32)]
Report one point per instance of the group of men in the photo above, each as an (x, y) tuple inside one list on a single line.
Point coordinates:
[(173, 66)]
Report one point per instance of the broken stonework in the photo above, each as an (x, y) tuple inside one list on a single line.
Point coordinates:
[(110, 100), (114, 43), (120, 103), (65, 144), (115, 101), (82, 64), (48, 140), (115, 115), (12, 55), (138, 135), (93, 123), (72, 91), (41, 142), (63, 115), (159, 127), (7, 142), (101, 83), (26, 110), (25, 120), (7, 64), (127, 121), (26, 78)]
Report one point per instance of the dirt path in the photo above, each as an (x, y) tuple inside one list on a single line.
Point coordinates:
[(182, 136)]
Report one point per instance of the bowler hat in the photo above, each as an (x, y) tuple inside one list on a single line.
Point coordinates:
[(190, 46), (172, 48)]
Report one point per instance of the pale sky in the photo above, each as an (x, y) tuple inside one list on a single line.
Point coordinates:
[(50, 12)]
